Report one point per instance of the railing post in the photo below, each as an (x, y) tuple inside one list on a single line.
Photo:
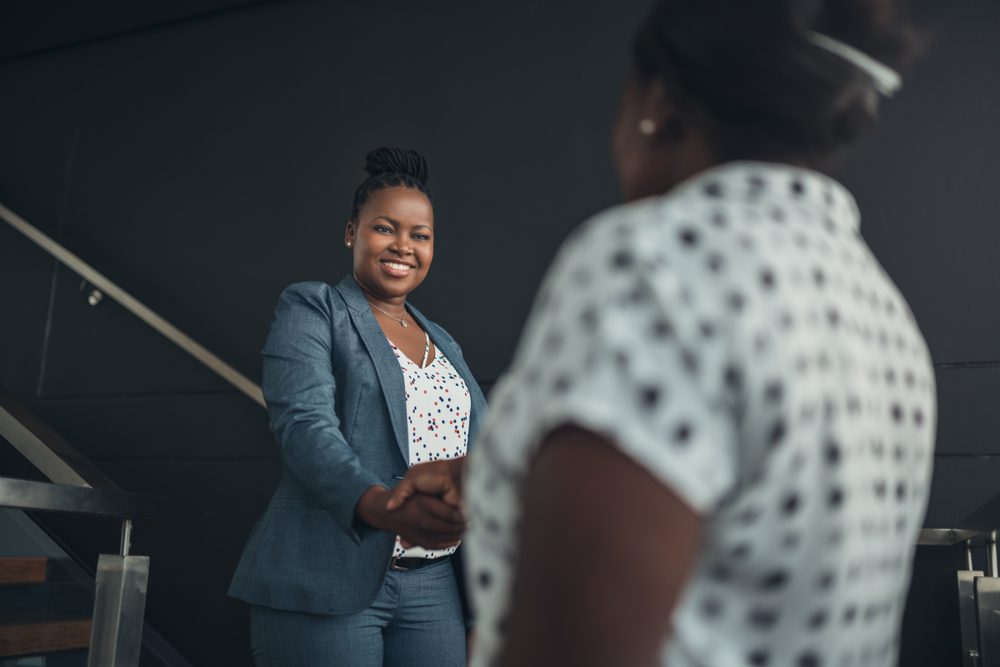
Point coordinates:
[(967, 612), (988, 606), (126, 537), (119, 606), (992, 542)]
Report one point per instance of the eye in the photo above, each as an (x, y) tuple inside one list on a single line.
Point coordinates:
[(383, 229), (422, 237)]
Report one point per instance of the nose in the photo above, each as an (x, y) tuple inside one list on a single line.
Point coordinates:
[(401, 245)]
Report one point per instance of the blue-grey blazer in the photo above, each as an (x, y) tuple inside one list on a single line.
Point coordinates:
[(337, 404)]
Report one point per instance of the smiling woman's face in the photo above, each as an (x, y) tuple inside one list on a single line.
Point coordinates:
[(393, 241)]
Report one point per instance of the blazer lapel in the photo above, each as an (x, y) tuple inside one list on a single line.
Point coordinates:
[(390, 377)]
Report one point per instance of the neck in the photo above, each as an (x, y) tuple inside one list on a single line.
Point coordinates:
[(670, 164), (695, 158), (393, 304)]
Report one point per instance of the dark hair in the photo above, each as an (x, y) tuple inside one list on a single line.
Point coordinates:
[(391, 167), (749, 70)]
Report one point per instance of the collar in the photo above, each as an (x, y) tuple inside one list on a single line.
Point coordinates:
[(353, 296), (774, 183)]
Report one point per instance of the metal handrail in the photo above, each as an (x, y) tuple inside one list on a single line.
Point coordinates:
[(133, 305), (59, 461), (945, 537), (48, 497), (77, 486)]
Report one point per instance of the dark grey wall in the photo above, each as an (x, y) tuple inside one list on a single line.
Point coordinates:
[(204, 164)]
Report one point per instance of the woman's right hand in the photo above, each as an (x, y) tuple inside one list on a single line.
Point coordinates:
[(442, 479), (424, 520)]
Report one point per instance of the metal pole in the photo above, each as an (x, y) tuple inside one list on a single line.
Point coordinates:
[(968, 555), (994, 570), (127, 537), (119, 606)]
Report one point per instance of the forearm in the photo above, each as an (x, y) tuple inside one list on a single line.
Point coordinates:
[(605, 551)]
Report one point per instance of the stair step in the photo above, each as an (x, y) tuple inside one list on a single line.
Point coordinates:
[(24, 598), (23, 570), (62, 599), (27, 635)]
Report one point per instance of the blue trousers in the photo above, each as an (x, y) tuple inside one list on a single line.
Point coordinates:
[(415, 621)]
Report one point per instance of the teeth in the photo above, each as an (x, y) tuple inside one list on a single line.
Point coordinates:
[(397, 267)]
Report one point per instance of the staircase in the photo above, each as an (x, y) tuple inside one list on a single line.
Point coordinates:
[(42, 613), (58, 614)]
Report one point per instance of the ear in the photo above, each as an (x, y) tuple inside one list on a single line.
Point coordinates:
[(349, 234), (657, 105)]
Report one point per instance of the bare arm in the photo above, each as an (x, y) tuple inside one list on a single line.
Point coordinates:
[(605, 551)]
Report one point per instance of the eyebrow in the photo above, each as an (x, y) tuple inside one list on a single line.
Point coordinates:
[(396, 222)]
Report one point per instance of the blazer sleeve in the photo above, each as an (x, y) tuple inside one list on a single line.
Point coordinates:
[(299, 389)]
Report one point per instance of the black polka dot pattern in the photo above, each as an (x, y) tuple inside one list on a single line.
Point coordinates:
[(738, 340)]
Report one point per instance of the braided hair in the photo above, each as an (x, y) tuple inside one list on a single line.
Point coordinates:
[(388, 168), (748, 70)]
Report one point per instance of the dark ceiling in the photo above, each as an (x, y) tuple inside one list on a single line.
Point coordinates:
[(32, 26)]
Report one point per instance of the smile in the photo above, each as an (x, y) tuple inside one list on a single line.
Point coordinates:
[(395, 268)]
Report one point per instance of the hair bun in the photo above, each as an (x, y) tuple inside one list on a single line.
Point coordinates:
[(403, 161)]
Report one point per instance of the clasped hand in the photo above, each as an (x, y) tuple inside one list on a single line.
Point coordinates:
[(424, 509)]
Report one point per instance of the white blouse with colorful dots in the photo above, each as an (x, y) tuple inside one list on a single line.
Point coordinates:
[(738, 339), (437, 420)]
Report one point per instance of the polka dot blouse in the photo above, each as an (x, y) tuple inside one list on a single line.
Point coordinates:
[(437, 420), (738, 339)]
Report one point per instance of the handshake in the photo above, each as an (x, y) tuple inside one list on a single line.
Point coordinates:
[(424, 509)]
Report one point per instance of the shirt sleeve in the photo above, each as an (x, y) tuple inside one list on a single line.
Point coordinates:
[(617, 344)]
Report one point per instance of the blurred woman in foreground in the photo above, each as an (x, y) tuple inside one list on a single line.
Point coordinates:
[(714, 444)]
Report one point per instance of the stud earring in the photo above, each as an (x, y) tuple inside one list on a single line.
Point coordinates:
[(348, 244), (647, 127)]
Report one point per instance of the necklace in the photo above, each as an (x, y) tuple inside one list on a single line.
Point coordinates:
[(401, 320)]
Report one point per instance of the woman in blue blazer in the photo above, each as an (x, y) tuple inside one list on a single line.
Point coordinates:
[(360, 386)]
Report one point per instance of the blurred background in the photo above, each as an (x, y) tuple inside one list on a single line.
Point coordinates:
[(203, 154)]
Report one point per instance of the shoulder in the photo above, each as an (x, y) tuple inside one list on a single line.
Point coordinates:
[(613, 221), (611, 238), (306, 312), (617, 247), (307, 291), (312, 305), (313, 295), (659, 264)]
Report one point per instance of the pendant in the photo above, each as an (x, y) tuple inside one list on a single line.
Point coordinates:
[(403, 323)]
